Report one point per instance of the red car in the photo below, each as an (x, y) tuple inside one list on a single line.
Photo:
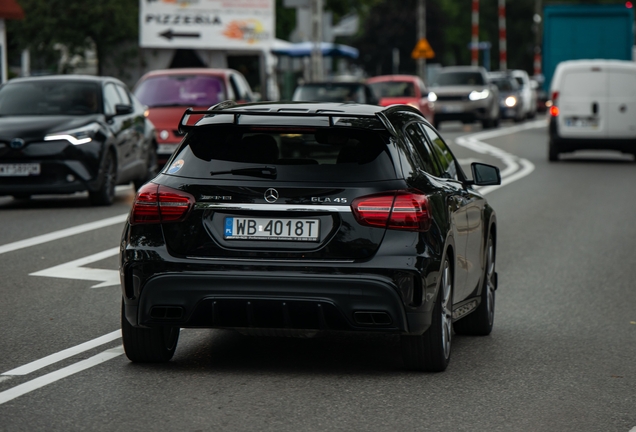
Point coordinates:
[(168, 92), (402, 89)]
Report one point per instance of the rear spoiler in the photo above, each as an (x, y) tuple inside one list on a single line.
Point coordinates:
[(255, 111)]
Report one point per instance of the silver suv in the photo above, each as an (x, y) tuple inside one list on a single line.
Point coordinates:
[(464, 93)]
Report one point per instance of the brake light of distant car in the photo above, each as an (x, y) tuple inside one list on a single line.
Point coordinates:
[(432, 97), (510, 101), (77, 136), (478, 95), (401, 210), (160, 204)]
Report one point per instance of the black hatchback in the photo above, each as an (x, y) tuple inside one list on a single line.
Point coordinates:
[(72, 133), (290, 219)]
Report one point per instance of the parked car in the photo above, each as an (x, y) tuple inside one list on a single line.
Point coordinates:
[(528, 94), (71, 133), (168, 92), (593, 106), (464, 93), (332, 91), (510, 96), (375, 229), (402, 89)]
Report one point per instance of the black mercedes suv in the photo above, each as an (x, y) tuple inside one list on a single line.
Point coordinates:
[(292, 219)]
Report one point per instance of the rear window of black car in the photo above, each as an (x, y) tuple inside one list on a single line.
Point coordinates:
[(286, 154)]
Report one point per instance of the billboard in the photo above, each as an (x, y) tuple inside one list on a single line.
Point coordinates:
[(207, 24)]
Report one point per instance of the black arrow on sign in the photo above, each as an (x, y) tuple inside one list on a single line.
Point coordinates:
[(168, 34)]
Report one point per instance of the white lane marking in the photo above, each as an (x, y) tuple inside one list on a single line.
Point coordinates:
[(74, 270), (64, 354), (516, 167), (57, 375), (56, 235)]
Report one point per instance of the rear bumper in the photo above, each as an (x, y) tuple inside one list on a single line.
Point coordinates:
[(627, 145), (263, 300)]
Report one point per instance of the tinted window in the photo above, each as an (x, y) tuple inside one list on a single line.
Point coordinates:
[(181, 90), (240, 88), (52, 97), (459, 78), (506, 84), (428, 163), (444, 155), (111, 98), (308, 154)]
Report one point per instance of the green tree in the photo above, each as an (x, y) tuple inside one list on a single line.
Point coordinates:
[(105, 25)]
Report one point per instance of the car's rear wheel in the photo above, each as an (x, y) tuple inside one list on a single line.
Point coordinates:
[(480, 322), (148, 345), (431, 351), (105, 194)]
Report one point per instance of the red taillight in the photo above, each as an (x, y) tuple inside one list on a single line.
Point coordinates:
[(159, 204), (555, 96), (554, 111), (401, 210)]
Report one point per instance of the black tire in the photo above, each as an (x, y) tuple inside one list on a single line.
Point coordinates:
[(105, 194), (480, 322), (152, 168), (148, 345), (553, 151), (430, 352)]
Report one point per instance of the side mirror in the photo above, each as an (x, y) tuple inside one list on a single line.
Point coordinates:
[(485, 175), (123, 109)]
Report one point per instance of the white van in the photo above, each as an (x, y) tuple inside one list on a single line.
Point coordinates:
[(594, 106)]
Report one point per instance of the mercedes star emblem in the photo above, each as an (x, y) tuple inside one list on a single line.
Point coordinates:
[(271, 195)]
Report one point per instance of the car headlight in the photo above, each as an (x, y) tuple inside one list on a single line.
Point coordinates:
[(432, 97), (510, 101), (478, 95), (78, 136)]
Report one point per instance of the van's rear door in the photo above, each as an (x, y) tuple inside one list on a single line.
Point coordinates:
[(622, 102), (582, 101)]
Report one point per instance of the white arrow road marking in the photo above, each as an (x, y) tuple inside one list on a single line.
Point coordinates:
[(57, 375), (74, 270)]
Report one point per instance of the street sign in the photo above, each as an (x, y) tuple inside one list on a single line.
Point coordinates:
[(422, 50), (207, 24)]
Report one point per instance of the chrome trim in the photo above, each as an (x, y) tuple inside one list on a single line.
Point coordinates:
[(272, 207), (273, 260)]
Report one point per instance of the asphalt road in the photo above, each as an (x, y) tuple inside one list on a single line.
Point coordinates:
[(562, 356)]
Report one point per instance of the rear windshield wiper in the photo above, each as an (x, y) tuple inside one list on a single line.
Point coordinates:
[(265, 172)]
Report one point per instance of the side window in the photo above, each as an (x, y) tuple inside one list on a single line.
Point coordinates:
[(240, 88), (123, 95), (423, 153), (111, 98), (444, 155)]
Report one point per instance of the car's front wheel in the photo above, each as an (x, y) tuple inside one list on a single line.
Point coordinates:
[(431, 351), (105, 193), (553, 151), (148, 345), (480, 322)]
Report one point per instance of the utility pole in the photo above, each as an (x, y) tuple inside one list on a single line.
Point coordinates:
[(421, 34), (316, 37), (474, 44), (503, 48)]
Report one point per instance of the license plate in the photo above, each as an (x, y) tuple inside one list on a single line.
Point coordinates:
[(451, 108), (166, 148), (581, 122), (237, 228), (20, 170)]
